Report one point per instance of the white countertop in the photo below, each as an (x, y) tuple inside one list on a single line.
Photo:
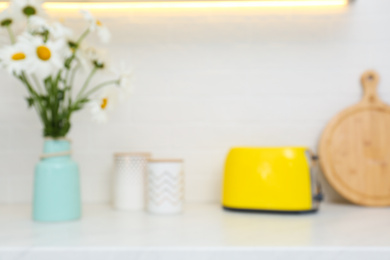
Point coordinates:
[(204, 231)]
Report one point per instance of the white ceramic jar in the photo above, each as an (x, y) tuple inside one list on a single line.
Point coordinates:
[(165, 186), (129, 181)]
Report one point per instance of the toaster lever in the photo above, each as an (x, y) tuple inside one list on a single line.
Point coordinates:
[(319, 196)]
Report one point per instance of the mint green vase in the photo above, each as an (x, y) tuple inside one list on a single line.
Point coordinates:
[(56, 184)]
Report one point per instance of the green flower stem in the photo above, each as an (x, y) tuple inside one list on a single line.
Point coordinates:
[(86, 83), (93, 90), (66, 76), (36, 81), (68, 62), (11, 34), (23, 77), (82, 37), (35, 96), (69, 81), (56, 104), (73, 74)]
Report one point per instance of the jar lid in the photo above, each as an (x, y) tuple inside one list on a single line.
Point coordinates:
[(165, 160), (132, 154)]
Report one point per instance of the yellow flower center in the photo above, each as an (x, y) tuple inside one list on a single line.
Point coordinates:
[(43, 52), (104, 103), (99, 23), (18, 56)]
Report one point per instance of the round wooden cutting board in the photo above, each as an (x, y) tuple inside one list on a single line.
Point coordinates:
[(355, 149)]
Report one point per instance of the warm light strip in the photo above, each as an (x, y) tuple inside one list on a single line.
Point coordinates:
[(191, 4)]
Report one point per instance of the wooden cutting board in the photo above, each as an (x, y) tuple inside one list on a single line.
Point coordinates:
[(355, 149)]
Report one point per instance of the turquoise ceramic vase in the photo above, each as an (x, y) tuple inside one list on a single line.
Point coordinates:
[(56, 184)]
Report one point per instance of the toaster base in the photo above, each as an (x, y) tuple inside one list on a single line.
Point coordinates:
[(272, 211)]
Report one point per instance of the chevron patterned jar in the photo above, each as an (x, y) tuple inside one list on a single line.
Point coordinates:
[(129, 181), (165, 191)]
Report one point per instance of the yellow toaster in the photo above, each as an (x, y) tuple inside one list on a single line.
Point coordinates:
[(270, 179)]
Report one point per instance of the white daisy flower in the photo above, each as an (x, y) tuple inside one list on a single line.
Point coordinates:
[(4, 39), (96, 25), (27, 7), (89, 55), (124, 74), (103, 104), (38, 24), (8, 22), (14, 58), (103, 34), (46, 57), (59, 31), (6, 17), (56, 30)]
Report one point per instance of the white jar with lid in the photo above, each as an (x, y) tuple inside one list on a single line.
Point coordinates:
[(165, 186), (129, 181)]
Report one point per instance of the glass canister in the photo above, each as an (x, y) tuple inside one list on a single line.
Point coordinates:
[(129, 181), (165, 186)]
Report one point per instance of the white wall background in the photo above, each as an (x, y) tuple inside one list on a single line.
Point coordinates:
[(207, 80)]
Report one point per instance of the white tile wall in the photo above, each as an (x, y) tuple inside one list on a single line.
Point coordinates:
[(207, 80)]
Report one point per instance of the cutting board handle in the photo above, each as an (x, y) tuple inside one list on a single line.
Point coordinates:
[(370, 81)]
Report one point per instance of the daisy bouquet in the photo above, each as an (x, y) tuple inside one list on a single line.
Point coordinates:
[(46, 56)]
